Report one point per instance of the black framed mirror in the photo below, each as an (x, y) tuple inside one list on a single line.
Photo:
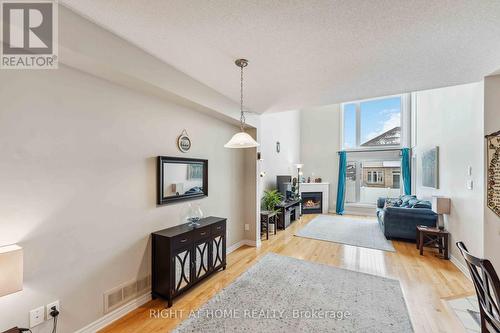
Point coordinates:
[(181, 179)]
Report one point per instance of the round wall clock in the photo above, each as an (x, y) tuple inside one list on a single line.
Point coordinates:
[(184, 142)]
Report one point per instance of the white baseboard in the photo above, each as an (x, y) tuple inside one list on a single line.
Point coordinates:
[(134, 304), (115, 315), (236, 246), (460, 266), (250, 242)]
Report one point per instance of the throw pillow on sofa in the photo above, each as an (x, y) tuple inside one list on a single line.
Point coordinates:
[(412, 202), (392, 203), (405, 200), (423, 204)]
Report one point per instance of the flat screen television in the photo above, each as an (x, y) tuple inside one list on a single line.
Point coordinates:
[(284, 185)]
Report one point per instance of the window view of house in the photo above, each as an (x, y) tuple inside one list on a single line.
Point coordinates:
[(368, 180)]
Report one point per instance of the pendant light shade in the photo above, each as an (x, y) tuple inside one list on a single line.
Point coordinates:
[(241, 139)]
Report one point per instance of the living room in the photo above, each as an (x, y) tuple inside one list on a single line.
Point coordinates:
[(139, 154)]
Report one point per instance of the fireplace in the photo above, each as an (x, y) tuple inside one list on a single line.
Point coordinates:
[(312, 202)]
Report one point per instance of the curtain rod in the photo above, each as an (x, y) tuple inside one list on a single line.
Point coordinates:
[(370, 150)]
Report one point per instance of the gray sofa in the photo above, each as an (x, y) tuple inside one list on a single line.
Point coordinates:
[(400, 216)]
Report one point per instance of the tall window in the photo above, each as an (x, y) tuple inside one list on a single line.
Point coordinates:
[(372, 123), (373, 131)]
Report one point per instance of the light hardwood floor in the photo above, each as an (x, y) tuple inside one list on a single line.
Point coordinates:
[(426, 280)]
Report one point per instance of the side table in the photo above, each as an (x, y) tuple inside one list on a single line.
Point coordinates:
[(433, 237)]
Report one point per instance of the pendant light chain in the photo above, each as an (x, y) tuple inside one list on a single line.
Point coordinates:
[(241, 139), (242, 116)]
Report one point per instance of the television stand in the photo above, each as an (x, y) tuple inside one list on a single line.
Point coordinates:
[(288, 211)]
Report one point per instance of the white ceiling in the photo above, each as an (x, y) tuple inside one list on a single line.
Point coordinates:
[(311, 52)]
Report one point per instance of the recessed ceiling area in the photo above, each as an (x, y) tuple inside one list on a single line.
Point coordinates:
[(311, 53)]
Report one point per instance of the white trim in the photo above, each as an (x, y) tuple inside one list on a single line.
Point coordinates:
[(359, 212), (109, 318), (341, 131), (242, 242), (251, 243), (360, 205), (405, 120), (239, 244), (235, 246), (114, 315), (460, 266)]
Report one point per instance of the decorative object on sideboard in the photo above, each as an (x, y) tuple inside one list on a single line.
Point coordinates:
[(184, 142), (180, 179), (318, 180), (241, 139), (11, 268), (278, 147), (194, 215), (440, 206), (493, 169), (430, 168)]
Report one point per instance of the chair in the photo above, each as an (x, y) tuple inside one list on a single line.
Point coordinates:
[(487, 287)]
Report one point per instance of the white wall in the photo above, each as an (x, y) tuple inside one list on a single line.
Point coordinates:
[(250, 193), (452, 118), (320, 142), (491, 124), (78, 186), (285, 128)]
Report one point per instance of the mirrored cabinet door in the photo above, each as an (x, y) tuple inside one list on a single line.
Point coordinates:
[(201, 261), (182, 264), (217, 251)]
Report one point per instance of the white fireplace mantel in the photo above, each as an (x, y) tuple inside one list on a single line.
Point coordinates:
[(324, 188)]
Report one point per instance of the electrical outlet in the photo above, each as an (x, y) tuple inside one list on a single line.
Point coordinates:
[(37, 316), (247, 226), (49, 308)]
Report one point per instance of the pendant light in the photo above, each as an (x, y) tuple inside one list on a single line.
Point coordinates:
[(241, 139)]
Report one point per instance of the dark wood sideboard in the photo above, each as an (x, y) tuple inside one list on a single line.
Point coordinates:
[(183, 256)]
